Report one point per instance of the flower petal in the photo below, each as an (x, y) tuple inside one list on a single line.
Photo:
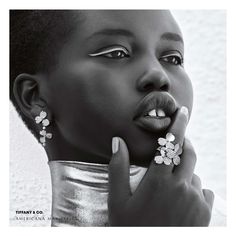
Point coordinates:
[(179, 151), (45, 122), (43, 114), (170, 137), (176, 147), (170, 145), (49, 135), (42, 139), (161, 141), (158, 159), (38, 119), (42, 132), (176, 160), (163, 153), (171, 154), (167, 161)]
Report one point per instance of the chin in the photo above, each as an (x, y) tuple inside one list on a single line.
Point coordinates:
[(142, 158), (142, 152), (141, 144)]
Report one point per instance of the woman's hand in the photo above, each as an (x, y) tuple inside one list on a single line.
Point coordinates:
[(166, 196)]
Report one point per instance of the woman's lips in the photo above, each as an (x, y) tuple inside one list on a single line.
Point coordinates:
[(154, 113), (153, 124)]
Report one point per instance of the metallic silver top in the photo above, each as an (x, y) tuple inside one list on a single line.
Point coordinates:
[(80, 191)]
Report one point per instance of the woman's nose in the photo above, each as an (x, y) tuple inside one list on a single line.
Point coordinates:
[(154, 78)]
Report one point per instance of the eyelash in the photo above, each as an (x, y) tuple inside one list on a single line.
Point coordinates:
[(172, 58), (122, 53)]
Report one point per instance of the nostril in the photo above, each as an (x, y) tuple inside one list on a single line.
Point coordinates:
[(148, 86), (165, 87)]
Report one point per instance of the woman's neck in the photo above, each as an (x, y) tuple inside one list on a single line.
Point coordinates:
[(59, 149)]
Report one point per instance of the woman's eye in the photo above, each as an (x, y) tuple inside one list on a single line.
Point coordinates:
[(173, 59), (113, 53), (116, 54)]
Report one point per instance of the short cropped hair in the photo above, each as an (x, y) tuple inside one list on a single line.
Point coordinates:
[(36, 37)]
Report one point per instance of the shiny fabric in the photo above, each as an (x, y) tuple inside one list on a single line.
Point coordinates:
[(80, 192)]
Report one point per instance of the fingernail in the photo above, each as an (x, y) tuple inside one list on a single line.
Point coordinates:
[(115, 145), (184, 110)]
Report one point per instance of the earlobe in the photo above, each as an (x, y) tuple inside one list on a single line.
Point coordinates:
[(26, 93)]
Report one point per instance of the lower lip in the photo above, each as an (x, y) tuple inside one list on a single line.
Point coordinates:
[(153, 124)]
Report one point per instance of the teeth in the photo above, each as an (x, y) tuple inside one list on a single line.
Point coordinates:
[(152, 113), (160, 113)]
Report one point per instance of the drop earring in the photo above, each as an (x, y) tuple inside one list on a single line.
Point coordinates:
[(45, 122)]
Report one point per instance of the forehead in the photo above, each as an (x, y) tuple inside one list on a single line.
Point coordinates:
[(139, 22)]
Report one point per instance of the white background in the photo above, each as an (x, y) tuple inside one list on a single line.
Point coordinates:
[(205, 61)]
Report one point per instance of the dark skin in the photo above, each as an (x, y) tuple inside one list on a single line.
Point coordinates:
[(101, 90), (166, 196), (90, 99)]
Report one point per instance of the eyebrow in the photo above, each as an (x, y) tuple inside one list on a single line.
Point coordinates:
[(172, 36), (112, 32), (127, 33)]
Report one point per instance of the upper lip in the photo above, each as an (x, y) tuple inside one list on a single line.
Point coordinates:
[(155, 100)]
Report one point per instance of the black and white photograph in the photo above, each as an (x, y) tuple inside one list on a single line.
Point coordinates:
[(117, 117)]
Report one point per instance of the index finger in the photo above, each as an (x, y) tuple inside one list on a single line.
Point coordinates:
[(188, 160), (178, 128), (175, 135)]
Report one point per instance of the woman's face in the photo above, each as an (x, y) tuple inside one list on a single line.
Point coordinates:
[(115, 66)]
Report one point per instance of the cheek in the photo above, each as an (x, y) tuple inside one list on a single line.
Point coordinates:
[(90, 105), (183, 92)]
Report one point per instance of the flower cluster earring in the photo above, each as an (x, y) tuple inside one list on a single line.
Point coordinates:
[(45, 122)]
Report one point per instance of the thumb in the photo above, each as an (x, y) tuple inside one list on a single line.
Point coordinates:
[(119, 188)]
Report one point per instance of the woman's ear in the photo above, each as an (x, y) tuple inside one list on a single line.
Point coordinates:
[(27, 96)]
